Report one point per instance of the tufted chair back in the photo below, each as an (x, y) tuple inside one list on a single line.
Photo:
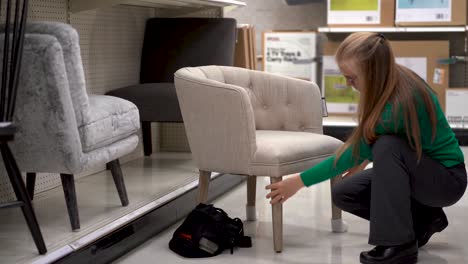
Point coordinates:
[(278, 103), (223, 107)]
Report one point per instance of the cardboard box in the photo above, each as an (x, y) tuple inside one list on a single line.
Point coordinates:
[(413, 52), (339, 16), (244, 55), (424, 13), (252, 45), (433, 51)]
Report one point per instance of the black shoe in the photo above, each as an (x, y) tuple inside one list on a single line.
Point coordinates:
[(401, 254), (437, 225)]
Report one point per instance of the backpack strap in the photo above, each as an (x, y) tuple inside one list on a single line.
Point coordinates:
[(241, 240)]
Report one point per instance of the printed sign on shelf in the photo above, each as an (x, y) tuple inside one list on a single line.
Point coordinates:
[(353, 11), (423, 11), (456, 110), (343, 99), (439, 75), (416, 64), (340, 97), (291, 54)]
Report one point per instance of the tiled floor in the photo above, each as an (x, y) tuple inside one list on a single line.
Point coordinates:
[(146, 179), (307, 236)]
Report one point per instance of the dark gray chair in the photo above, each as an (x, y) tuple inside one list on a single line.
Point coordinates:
[(171, 44)]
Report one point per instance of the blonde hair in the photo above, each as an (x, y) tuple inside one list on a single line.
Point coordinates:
[(383, 81)]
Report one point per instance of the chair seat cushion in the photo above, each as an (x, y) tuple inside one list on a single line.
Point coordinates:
[(281, 153), (157, 102), (110, 119)]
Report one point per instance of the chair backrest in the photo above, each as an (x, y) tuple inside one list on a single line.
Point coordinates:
[(174, 43), (278, 102), (223, 107), (69, 41), (47, 138)]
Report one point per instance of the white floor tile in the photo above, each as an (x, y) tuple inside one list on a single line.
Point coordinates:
[(307, 235)]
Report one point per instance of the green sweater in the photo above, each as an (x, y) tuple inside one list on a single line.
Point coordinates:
[(444, 148)]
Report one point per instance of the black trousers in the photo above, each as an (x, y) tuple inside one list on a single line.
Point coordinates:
[(398, 194)]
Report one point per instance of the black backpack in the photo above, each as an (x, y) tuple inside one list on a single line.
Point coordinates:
[(206, 232)]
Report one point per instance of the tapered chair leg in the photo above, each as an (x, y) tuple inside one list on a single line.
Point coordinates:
[(337, 223), (203, 185), (68, 183), (250, 210), (119, 181), (147, 143), (21, 195), (277, 215), (30, 183)]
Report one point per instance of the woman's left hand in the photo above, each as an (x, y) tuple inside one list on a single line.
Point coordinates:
[(283, 190)]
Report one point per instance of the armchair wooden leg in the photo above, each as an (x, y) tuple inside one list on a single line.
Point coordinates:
[(116, 172), (18, 186), (147, 143), (68, 183), (251, 197), (30, 183), (277, 213), (203, 185), (337, 223)]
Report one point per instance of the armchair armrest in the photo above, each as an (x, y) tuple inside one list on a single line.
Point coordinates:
[(219, 121)]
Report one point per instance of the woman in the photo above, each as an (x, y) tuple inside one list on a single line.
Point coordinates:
[(418, 166)]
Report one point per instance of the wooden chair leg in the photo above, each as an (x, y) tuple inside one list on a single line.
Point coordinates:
[(336, 212), (337, 223), (30, 183), (116, 172), (68, 183), (147, 143), (203, 185), (21, 195), (277, 215), (251, 197)]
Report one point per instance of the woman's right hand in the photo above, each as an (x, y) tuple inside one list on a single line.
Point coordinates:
[(356, 169), (283, 190)]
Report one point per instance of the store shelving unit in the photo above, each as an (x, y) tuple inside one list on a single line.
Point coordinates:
[(340, 126), (391, 29), (83, 5)]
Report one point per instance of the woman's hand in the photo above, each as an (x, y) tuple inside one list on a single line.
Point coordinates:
[(356, 169), (283, 190)]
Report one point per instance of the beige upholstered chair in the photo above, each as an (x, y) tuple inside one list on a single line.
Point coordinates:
[(253, 123)]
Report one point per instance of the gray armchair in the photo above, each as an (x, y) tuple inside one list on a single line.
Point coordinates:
[(62, 129), (253, 123)]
